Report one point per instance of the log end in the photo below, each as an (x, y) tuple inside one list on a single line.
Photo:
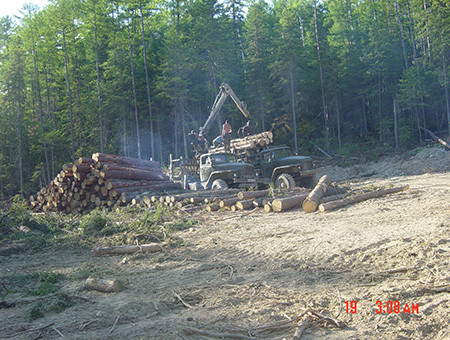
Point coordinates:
[(309, 206)]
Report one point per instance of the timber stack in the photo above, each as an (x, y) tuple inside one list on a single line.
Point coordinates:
[(239, 145), (101, 181)]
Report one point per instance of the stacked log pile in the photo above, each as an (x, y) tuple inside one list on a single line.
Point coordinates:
[(239, 145), (101, 181)]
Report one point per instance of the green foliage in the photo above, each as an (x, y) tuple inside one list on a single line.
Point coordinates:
[(66, 76), (95, 222)]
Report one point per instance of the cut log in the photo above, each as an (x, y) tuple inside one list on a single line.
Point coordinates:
[(359, 198), (258, 202), (138, 175), (244, 195), (131, 249), (126, 161), (244, 205), (212, 207), (327, 199), (84, 161), (228, 202), (313, 200), (283, 204), (104, 285)]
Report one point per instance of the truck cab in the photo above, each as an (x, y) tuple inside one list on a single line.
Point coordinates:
[(220, 171), (284, 168)]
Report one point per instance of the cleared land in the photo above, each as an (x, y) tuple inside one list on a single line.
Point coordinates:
[(237, 276)]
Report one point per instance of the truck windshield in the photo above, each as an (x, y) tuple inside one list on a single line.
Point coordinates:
[(223, 158), (280, 153)]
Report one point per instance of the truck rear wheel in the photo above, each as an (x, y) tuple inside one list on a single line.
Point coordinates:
[(284, 181), (219, 184)]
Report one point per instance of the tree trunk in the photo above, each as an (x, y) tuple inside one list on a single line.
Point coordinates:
[(147, 83), (69, 93), (359, 198), (294, 111), (395, 124), (134, 98), (325, 112), (97, 71), (41, 111)]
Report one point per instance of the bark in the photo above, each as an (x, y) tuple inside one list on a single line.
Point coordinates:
[(312, 201), (228, 202), (395, 124), (322, 89), (125, 161), (244, 205), (41, 111), (294, 111), (242, 195), (69, 93), (147, 83), (283, 204), (359, 198), (138, 138), (99, 101)]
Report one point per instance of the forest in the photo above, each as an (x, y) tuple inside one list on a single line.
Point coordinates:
[(133, 77)]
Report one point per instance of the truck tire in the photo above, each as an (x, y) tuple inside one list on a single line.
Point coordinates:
[(219, 184), (284, 181)]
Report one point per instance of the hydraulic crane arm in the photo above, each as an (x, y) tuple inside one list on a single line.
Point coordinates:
[(224, 91)]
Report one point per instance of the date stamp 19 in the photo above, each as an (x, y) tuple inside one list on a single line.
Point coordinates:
[(388, 307)]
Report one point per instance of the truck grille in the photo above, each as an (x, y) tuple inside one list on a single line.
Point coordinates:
[(247, 172)]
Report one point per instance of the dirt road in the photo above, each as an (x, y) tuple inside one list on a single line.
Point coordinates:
[(241, 276)]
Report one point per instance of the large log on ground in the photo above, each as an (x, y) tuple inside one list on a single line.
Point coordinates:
[(244, 205), (212, 207), (258, 202), (126, 161), (359, 198), (327, 199), (313, 200), (104, 285), (244, 195), (131, 249), (228, 202), (286, 203)]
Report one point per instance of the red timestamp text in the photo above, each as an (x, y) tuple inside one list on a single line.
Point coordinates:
[(395, 307), (388, 307)]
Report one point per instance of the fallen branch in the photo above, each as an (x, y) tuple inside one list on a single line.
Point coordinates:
[(131, 249), (181, 299), (436, 138)]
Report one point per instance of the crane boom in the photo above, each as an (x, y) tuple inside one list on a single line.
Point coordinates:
[(224, 91)]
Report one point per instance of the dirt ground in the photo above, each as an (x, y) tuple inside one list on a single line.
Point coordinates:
[(247, 277)]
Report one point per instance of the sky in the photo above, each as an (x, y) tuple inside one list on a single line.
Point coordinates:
[(12, 7)]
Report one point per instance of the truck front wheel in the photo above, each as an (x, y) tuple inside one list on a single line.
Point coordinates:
[(284, 182), (219, 184)]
